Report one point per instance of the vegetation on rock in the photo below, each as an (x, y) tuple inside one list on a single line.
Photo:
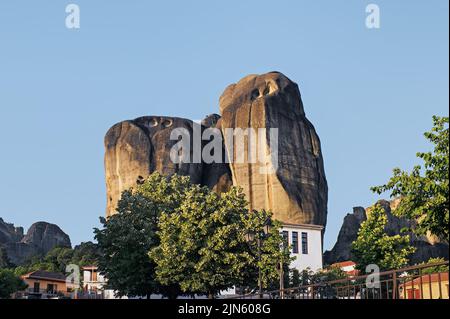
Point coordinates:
[(375, 246)]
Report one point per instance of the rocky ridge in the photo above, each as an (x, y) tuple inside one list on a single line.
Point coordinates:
[(426, 247), (40, 238)]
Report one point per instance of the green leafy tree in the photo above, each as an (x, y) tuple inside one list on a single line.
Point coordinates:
[(374, 246), (127, 236), (57, 259), (10, 283), (296, 279), (204, 245), (85, 254), (329, 274), (171, 237), (271, 253), (36, 264), (323, 277), (434, 269), (306, 277), (424, 192), (125, 240), (4, 260), (20, 270), (320, 279)]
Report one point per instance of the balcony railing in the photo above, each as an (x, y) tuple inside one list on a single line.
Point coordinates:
[(43, 291), (32, 293), (415, 282)]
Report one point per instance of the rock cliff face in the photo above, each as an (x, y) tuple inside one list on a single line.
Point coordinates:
[(295, 190), (39, 240), (426, 248), (45, 237), (347, 234), (9, 233)]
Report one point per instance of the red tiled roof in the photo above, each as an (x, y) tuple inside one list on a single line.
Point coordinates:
[(344, 264), (354, 272)]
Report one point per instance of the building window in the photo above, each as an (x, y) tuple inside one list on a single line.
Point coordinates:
[(295, 242), (52, 288), (285, 235), (305, 243)]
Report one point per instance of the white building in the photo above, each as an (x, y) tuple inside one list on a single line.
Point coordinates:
[(94, 284), (305, 242)]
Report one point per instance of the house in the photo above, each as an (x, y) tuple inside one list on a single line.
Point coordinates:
[(305, 242), (347, 266), (428, 286), (92, 280), (45, 285), (94, 284)]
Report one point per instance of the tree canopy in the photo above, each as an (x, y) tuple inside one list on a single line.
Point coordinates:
[(58, 258), (424, 191), (10, 283), (126, 238), (4, 260), (173, 237), (434, 269), (374, 246), (204, 244)]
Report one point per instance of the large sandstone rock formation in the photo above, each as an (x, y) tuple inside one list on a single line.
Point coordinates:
[(136, 148), (426, 247), (39, 240), (296, 192), (46, 236)]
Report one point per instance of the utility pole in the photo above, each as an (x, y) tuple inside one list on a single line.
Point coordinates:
[(261, 234), (259, 269), (281, 280)]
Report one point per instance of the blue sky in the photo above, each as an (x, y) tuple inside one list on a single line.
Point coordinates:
[(370, 93)]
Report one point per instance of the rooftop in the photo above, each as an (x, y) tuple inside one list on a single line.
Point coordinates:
[(45, 275), (346, 263)]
